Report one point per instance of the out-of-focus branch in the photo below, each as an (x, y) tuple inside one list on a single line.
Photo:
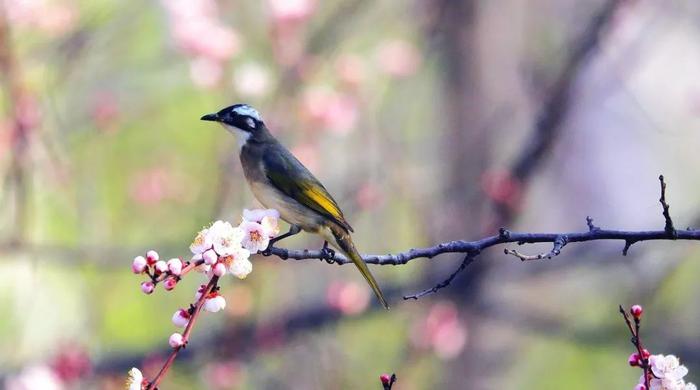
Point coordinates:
[(21, 113), (551, 115)]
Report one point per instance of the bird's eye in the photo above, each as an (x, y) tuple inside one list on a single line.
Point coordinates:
[(250, 122)]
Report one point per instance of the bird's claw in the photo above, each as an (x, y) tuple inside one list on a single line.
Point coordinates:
[(328, 254)]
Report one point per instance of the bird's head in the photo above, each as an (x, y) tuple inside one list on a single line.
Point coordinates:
[(241, 120)]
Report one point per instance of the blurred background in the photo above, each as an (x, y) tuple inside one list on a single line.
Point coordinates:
[(429, 120)]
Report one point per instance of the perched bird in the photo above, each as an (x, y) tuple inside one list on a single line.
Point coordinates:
[(279, 181)]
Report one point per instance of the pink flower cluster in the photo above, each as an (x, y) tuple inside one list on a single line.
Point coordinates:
[(199, 33)]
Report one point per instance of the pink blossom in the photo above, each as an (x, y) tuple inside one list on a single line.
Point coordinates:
[(351, 69), (175, 266), (152, 256), (169, 283), (147, 287), (160, 267), (139, 265)]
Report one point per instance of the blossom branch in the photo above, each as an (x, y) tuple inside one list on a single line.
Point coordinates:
[(641, 358), (153, 385)]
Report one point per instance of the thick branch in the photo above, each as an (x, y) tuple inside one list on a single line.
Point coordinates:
[(477, 246)]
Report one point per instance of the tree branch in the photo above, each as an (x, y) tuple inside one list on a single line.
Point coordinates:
[(473, 248)]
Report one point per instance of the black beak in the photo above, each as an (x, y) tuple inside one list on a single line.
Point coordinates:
[(210, 117)]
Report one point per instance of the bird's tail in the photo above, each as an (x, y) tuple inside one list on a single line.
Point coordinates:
[(345, 244)]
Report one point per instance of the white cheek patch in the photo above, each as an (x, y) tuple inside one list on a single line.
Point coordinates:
[(241, 136), (250, 122)]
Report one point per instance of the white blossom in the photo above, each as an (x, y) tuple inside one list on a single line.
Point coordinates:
[(175, 266), (255, 238), (135, 379), (224, 237), (668, 373), (257, 215), (139, 265), (214, 303), (181, 318), (270, 225), (176, 340), (240, 268), (202, 242)]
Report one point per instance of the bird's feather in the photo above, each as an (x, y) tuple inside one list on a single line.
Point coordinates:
[(292, 178)]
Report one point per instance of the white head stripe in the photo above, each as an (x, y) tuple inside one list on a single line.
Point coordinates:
[(248, 111)]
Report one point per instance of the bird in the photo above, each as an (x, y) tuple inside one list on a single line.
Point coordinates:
[(280, 181)]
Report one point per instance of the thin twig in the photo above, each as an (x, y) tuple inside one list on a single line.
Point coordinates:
[(670, 230), (637, 342), (559, 243), (468, 259), (153, 385)]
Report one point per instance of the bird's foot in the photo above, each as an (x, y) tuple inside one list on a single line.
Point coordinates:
[(327, 253)]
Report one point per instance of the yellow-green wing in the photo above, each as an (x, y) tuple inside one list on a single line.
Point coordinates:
[(291, 177)]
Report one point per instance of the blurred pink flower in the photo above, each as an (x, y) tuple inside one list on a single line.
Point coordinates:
[(398, 58), (442, 331), (251, 80), (52, 17), (206, 39), (331, 110), (308, 155), (243, 296), (71, 363), (224, 374), (39, 377), (369, 196), (349, 298), (351, 70), (290, 11), (501, 186), (153, 185), (104, 111), (205, 72)]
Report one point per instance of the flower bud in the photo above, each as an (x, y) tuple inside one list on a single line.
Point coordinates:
[(214, 304), (636, 311), (181, 318), (645, 353), (139, 265), (147, 287), (633, 360), (169, 283), (210, 257), (176, 340), (219, 269), (160, 267), (152, 257), (385, 378), (640, 386), (175, 266)]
